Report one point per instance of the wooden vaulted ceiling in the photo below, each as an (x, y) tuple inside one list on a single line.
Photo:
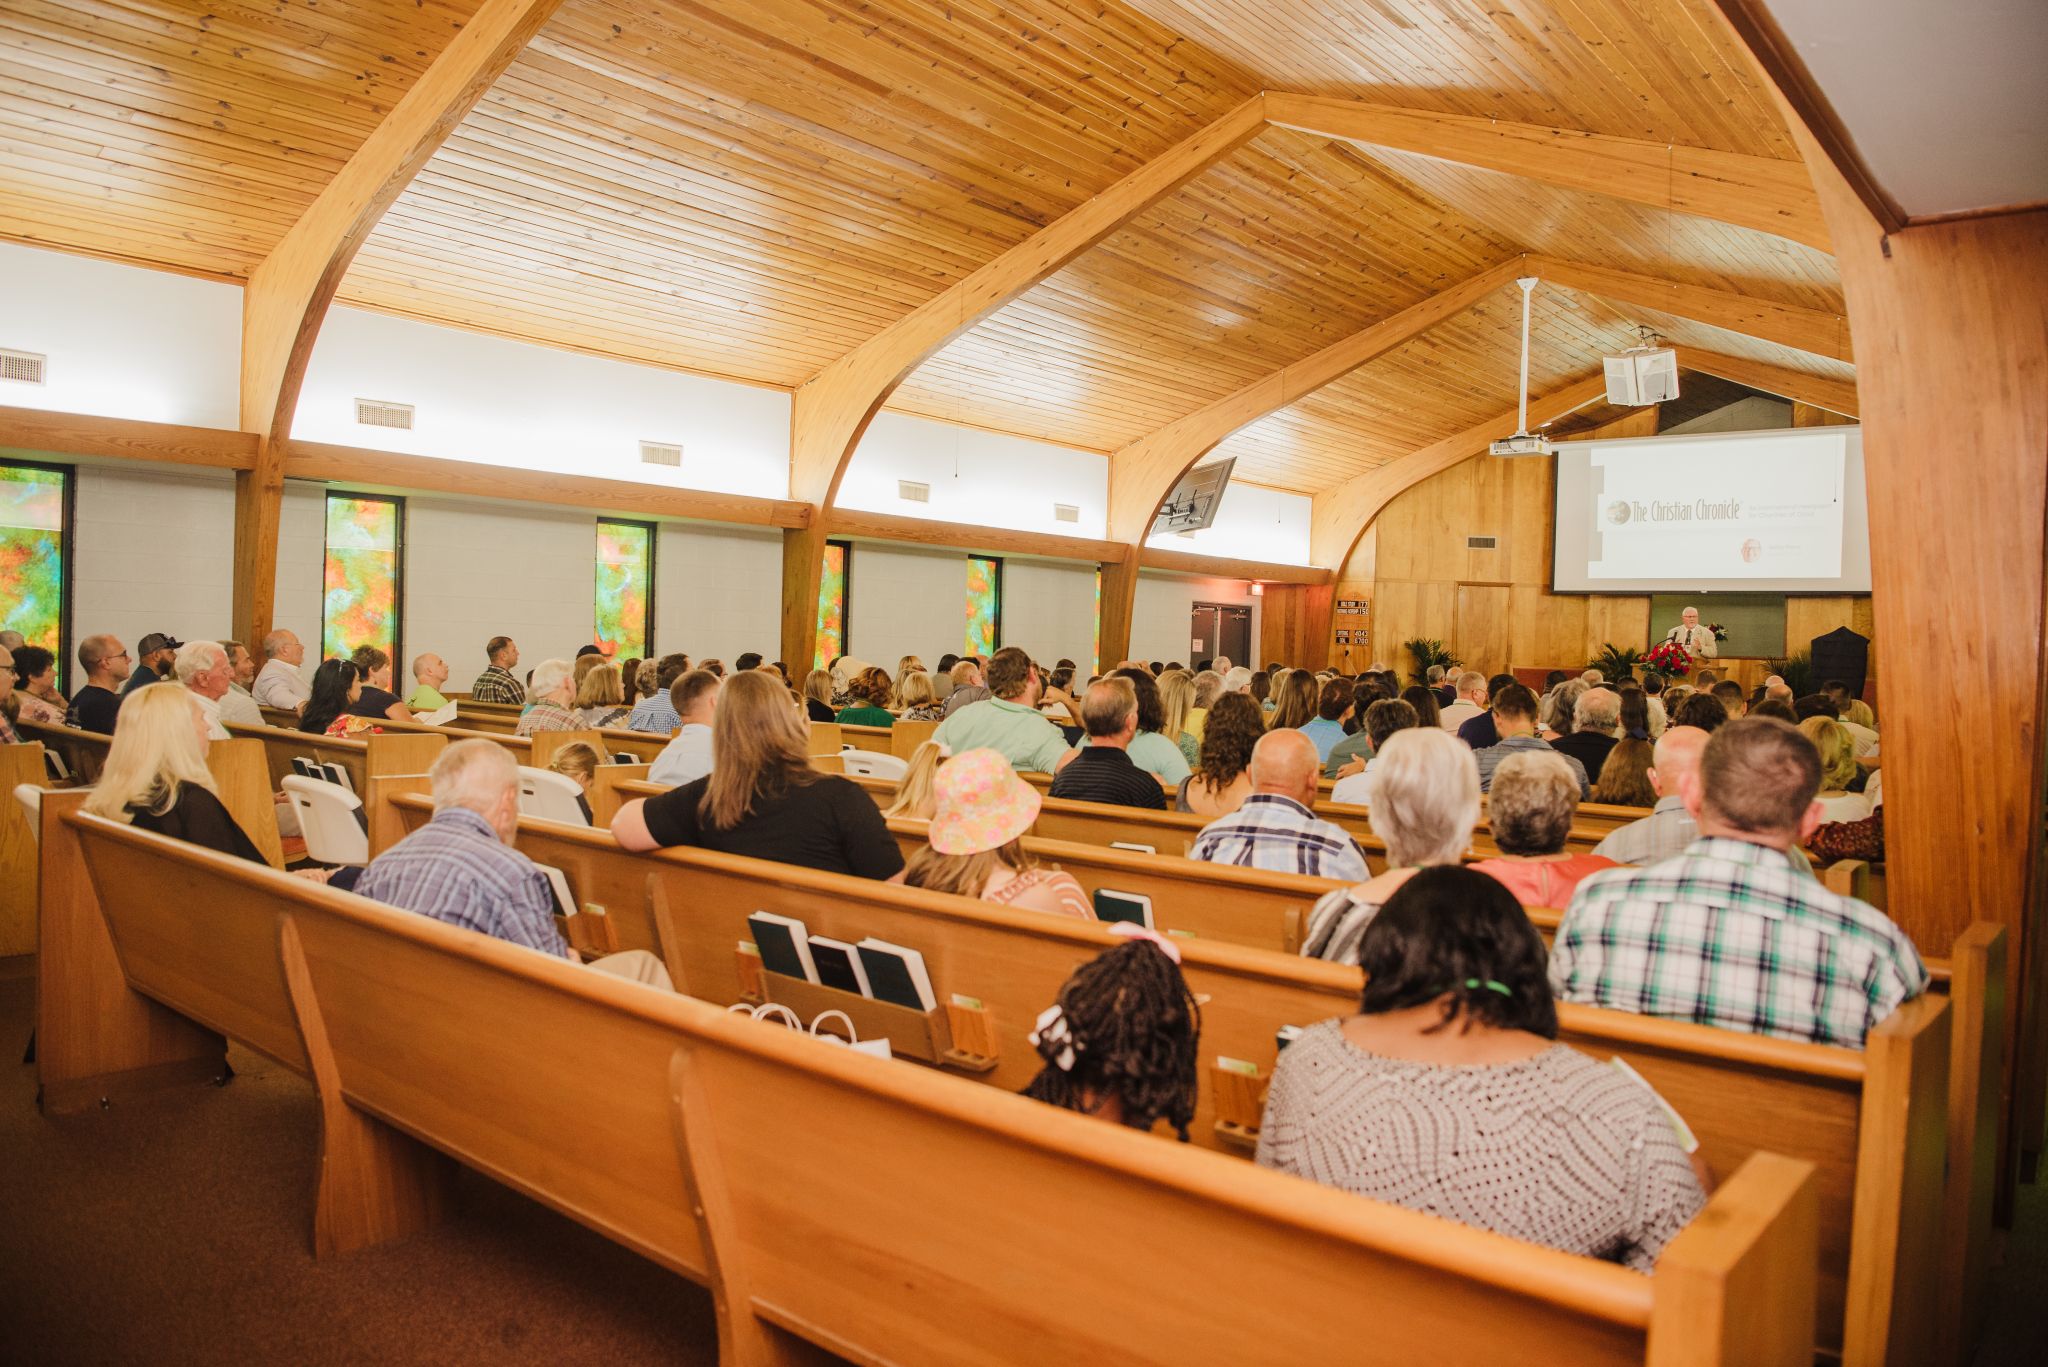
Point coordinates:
[(751, 188)]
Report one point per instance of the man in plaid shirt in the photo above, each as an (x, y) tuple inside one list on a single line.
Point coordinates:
[(496, 683), (1730, 932), (1274, 828)]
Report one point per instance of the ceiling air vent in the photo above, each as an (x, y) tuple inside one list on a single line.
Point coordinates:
[(660, 453), (378, 413), (1480, 543), (24, 366), (910, 491), (1066, 512)]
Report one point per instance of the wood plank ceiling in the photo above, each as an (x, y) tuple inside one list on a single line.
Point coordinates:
[(749, 188)]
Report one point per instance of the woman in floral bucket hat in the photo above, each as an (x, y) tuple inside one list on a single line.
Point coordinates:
[(981, 810)]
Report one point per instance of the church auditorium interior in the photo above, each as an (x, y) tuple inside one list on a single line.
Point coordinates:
[(1024, 681)]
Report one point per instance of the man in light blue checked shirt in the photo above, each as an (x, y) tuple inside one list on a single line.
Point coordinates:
[(1731, 932)]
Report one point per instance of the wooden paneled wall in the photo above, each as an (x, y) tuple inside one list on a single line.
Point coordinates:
[(1294, 623), (1494, 607)]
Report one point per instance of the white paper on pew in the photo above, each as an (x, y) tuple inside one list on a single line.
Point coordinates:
[(440, 716)]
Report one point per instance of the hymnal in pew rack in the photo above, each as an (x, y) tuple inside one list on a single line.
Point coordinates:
[(952, 1036)]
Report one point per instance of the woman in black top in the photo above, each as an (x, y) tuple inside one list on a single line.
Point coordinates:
[(156, 777), (818, 696), (763, 799), (336, 686), (376, 700)]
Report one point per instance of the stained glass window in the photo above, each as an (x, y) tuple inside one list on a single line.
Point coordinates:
[(625, 588), (360, 603), (984, 604), (34, 523), (832, 589)]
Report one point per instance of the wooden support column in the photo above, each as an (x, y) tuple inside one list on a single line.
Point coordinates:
[(259, 508), (1119, 606), (803, 566)]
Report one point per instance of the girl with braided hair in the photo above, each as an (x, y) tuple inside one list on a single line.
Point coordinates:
[(1121, 1042)]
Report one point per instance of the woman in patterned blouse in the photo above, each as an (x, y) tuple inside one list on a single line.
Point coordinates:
[(1449, 1093)]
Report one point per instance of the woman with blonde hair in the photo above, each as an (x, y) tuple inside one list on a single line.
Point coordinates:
[(578, 761), (818, 696), (763, 799), (1425, 804), (1176, 700), (156, 778), (914, 797), (905, 667), (981, 811), (918, 699), (1838, 770), (600, 701)]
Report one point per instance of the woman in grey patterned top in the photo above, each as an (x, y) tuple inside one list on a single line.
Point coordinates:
[(1449, 1094)]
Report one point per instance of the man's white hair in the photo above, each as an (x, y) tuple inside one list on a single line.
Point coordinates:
[(548, 678), (1237, 680), (276, 640), (1427, 800), (1598, 709), (1592, 678), (472, 774), (196, 657)]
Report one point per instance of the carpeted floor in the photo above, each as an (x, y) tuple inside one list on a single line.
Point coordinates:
[(177, 1231)]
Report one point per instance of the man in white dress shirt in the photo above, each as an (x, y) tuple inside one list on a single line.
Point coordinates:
[(1697, 640), (1470, 702), (280, 685)]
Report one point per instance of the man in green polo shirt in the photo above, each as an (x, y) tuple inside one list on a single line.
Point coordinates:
[(430, 671), (1009, 723)]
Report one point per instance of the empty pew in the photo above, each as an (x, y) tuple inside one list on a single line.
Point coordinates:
[(900, 740), (642, 1115)]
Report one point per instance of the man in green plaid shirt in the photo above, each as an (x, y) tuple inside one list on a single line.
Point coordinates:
[(1730, 932)]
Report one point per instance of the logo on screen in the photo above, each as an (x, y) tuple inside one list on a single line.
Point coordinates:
[(1618, 512), (1752, 551)]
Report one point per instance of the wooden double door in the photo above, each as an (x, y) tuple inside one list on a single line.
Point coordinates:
[(1479, 628)]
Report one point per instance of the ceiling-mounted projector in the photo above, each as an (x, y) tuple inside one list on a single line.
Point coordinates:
[(1523, 444), (1641, 376)]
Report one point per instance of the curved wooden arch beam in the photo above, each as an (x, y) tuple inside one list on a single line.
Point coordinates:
[(1763, 193), (1822, 391), (287, 295), (1340, 516), (1803, 329)]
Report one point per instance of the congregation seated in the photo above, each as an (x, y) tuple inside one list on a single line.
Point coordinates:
[(818, 696), (1150, 748), (1595, 717), (1702, 710), (551, 700), (203, 668), (1732, 931), (1468, 700), (1007, 721), (429, 672), (1623, 779), (375, 699), (279, 684), (1530, 808), (693, 698), (461, 868), (1482, 731), (1274, 828), (155, 658), (965, 685), (600, 698), (577, 761), (764, 800), (1382, 719), (497, 684), (1208, 687), (1514, 719), (1295, 697), (1449, 1093), (35, 685), (1222, 778), (1425, 804), (10, 703), (1851, 710), (1176, 700), (1556, 708), (868, 694), (1333, 708), (336, 686), (916, 797), (655, 713), (980, 812), (1122, 1041), (1354, 747), (96, 705), (920, 702), (1103, 770), (1428, 711), (1842, 779)]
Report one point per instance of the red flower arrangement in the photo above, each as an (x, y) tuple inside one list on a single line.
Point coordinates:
[(1669, 657)]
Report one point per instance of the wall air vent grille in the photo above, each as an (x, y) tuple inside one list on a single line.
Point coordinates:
[(910, 491), (378, 413), (1481, 543), (24, 367), (660, 453), (1066, 512)]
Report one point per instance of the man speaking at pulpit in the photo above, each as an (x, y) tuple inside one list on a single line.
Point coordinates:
[(1697, 640)]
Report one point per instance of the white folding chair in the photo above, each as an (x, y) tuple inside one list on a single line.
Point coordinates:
[(873, 764), (329, 821), (31, 799), (550, 796)]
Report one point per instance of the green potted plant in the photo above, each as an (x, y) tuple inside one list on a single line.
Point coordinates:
[(1427, 651), (1616, 662)]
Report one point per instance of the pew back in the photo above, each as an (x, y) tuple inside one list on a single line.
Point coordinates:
[(360, 757), (18, 850)]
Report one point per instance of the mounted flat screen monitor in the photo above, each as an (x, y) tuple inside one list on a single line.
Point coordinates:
[(1758, 512)]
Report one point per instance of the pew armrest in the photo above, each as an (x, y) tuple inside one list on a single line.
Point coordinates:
[(1739, 1284)]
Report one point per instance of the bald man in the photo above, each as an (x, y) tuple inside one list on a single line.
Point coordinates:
[(1275, 828), (1669, 828)]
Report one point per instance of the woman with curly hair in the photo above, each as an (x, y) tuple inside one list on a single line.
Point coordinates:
[(1222, 779), (868, 696), (1121, 1042)]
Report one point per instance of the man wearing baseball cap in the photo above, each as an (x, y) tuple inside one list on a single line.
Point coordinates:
[(154, 658)]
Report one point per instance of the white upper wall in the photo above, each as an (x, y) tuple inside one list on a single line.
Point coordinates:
[(905, 600), (983, 478), (1253, 523), (152, 550), (478, 570), (1164, 610), (500, 402), (123, 341), (718, 592), (1049, 610)]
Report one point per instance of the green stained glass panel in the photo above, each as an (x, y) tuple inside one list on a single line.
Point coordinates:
[(832, 605), (984, 604), (32, 555), (625, 588), (359, 602)]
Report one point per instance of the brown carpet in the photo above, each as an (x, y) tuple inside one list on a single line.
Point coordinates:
[(178, 1230)]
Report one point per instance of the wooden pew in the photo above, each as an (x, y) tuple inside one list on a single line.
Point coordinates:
[(83, 752), (391, 753), (537, 750), (900, 740), (477, 717), (283, 718), (642, 1115), (18, 855)]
